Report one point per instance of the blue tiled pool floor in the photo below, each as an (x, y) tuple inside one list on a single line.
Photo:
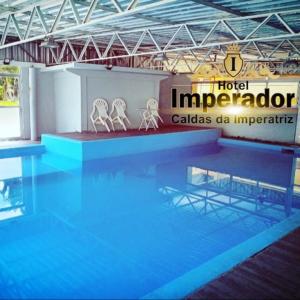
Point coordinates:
[(123, 229)]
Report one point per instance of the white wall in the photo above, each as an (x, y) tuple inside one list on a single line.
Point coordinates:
[(9, 122), (58, 102), (265, 132), (134, 88), (67, 95), (46, 119)]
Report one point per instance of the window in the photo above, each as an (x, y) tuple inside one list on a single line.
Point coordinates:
[(9, 86), (9, 102)]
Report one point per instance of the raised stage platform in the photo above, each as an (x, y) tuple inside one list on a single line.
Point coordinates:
[(87, 146)]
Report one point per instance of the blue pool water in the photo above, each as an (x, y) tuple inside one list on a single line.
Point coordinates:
[(124, 227)]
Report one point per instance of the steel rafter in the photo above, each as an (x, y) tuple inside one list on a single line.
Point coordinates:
[(184, 37), (190, 61), (131, 9)]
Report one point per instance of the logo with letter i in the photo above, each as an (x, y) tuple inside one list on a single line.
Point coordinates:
[(233, 62)]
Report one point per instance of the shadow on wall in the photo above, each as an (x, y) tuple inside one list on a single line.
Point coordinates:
[(182, 83)]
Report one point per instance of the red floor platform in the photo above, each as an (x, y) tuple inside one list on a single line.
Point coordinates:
[(89, 136), (87, 146)]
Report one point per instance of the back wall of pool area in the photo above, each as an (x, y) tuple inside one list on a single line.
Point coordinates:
[(65, 94)]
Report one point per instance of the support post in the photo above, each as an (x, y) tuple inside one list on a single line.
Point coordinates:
[(32, 103)]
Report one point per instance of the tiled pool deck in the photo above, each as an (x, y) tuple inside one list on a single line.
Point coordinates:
[(273, 273)]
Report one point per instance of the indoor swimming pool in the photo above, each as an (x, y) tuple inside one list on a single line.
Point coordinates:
[(141, 226)]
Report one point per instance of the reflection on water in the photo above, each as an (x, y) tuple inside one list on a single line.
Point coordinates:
[(199, 188), (11, 198), (239, 193)]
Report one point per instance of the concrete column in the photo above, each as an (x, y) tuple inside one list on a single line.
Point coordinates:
[(33, 103)]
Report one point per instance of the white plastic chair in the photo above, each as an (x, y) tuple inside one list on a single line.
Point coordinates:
[(119, 108), (151, 115), (100, 108)]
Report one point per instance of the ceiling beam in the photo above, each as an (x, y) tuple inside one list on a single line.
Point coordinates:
[(57, 31), (27, 10), (190, 44)]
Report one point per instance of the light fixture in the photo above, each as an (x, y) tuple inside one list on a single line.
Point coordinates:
[(49, 43), (109, 67), (160, 57), (6, 61)]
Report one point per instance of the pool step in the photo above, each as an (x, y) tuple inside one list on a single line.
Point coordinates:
[(22, 151)]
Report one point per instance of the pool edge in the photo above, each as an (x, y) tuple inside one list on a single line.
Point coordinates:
[(119, 146), (200, 276)]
